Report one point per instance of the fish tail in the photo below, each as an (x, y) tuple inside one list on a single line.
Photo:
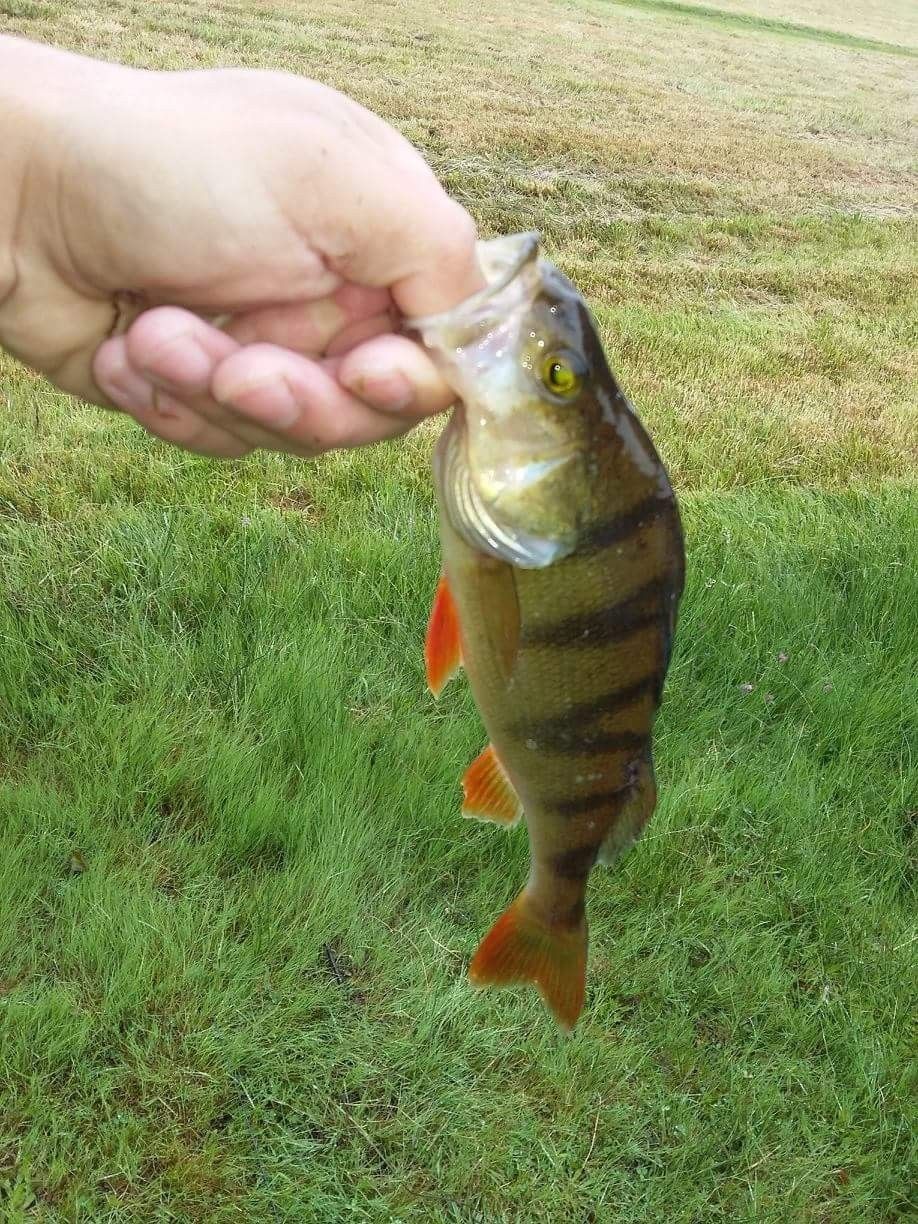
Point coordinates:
[(522, 947)]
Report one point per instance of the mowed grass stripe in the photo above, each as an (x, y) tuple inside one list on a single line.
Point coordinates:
[(754, 22), (731, 134)]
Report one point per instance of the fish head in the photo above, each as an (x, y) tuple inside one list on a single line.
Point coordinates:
[(518, 470)]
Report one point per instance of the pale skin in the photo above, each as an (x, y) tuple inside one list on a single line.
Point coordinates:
[(226, 256)]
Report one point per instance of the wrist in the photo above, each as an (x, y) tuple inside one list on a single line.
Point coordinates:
[(10, 196), (33, 93), (48, 98), (17, 139)]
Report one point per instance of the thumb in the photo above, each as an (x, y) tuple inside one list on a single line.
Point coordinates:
[(443, 269), (407, 235)]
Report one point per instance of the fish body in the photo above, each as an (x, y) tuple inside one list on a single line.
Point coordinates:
[(562, 568)]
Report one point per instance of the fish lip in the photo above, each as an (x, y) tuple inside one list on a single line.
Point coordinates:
[(528, 245)]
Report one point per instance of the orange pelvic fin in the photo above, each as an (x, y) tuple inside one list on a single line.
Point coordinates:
[(522, 948), (488, 792), (442, 653)]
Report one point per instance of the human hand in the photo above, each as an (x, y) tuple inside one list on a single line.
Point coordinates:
[(156, 205)]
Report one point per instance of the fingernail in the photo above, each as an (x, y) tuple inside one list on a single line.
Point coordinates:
[(390, 392), (269, 403)]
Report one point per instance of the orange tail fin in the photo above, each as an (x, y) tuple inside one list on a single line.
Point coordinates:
[(520, 947), (442, 652)]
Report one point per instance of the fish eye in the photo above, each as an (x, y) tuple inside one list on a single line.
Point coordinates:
[(562, 374)]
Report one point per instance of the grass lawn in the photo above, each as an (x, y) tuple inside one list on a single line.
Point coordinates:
[(236, 897)]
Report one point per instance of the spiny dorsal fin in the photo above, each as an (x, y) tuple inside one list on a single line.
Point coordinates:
[(488, 792)]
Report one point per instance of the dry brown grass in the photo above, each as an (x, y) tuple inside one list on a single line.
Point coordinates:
[(724, 118)]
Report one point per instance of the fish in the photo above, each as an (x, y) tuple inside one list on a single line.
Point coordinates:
[(563, 564)]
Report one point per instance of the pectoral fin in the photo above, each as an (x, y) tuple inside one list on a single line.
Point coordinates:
[(442, 652), (488, 792)]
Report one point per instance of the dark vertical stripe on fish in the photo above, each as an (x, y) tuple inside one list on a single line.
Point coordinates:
[(573, 917), (605, 625), (582, 804), (620, 528), (565, 727), (577, 863), (594, 743)]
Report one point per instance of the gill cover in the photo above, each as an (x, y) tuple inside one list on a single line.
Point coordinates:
[(514, 466)]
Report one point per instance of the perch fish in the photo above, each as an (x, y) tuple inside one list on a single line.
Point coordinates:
[(562, 568)]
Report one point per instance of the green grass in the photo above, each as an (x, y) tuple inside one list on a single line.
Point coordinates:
[(236, 896), (225, 716)]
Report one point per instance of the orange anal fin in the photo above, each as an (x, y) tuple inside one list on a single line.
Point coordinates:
[(521, 948), (442, 653), (488, 793)]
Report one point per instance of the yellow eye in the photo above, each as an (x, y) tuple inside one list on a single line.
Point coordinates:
[(560, 377)]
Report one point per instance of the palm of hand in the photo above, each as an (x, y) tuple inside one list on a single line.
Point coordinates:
[(227, 258)]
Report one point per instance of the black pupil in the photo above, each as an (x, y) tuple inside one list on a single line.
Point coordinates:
[(557, 372)]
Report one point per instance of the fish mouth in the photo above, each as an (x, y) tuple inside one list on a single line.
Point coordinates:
[(501, 260)]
